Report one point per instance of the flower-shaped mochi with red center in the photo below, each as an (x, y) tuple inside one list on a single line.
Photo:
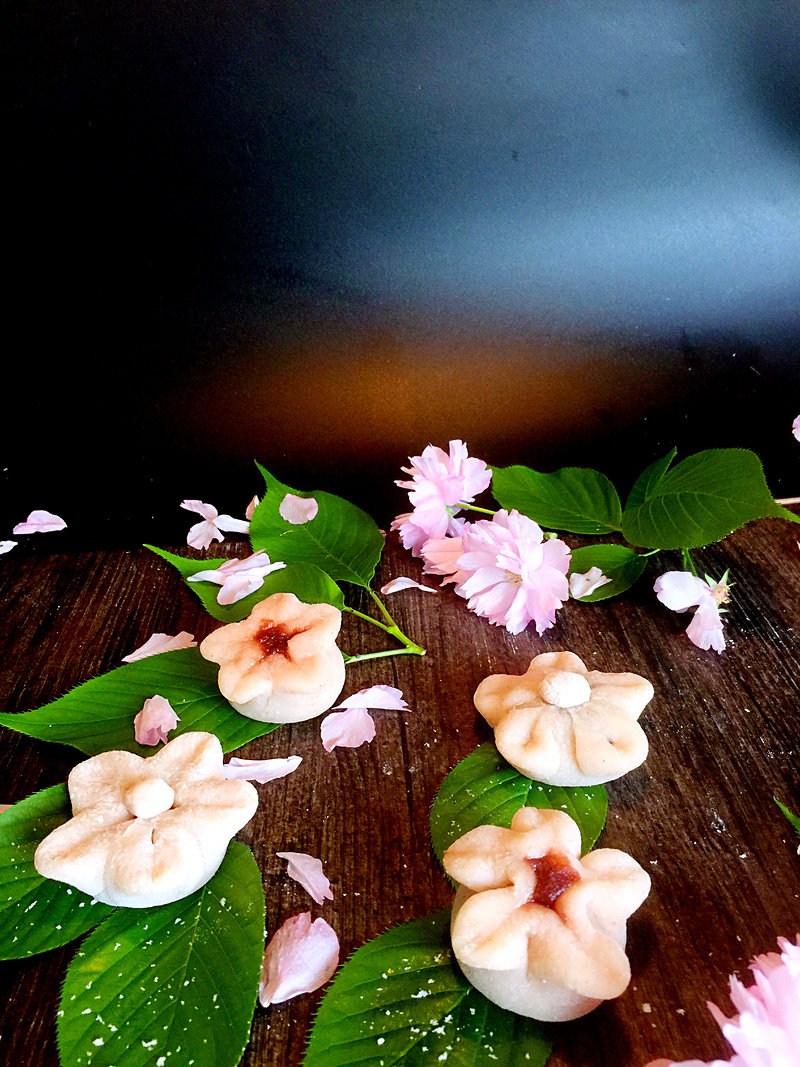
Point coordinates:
[(536, 929), (281, 663), (563, 725), (147, 831)]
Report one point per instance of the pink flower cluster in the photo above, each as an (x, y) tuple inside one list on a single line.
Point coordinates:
[(766, 1030), (504, 567)]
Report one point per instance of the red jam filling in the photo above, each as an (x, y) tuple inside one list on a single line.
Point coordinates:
[(553, 875), (274, 640)]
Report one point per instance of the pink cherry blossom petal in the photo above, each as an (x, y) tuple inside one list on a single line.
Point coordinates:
[(298, 509), (249, 511), (211, 529), (301, 956), (4, 807), (705, 629), (397, 584), (796, 428), (6, 546), (154, 722), (238, 577), (158, 642), (40, 522), (347, 729), (377, 696), (307, 870), (581, 585), (260, 770), (680, 590)]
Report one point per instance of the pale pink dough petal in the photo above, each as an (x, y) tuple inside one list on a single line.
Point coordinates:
[(301, 956), (307, 870)]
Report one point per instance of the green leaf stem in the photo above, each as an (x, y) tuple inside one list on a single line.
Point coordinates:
[(341, 539), (170, 985), (574, 499), (401, 999), (484, 790), (702, 499), (98, 715), (617, 562), (307, 582), (36, 913)]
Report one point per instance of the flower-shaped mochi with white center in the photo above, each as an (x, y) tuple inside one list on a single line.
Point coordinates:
[(147, 831), (563, 725), (281, 663), (536, 929)]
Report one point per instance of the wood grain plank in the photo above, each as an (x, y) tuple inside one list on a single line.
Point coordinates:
[(699, 815)]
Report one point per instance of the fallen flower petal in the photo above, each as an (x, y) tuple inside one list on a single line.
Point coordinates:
[(238, 577), (396, 584), (249, 511), (384, 697), (766, 1030), (796, 428), (298, 509), (6, 546), (301, 956), (307, 870), (158, 642), (260, 770), (347, 729), (154, 721), (581, 585), (40, 522), (211, 529), (4, 807)]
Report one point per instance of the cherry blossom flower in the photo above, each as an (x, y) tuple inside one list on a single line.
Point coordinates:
[(154, 721), (211, 528), (40, 522), (158, 643), (507, 571), (581, 585), (397, 584), (6, 546), (766, 1030), (354, 725), (300, 957), (796, 427), (260, 770), (238, 577), (298, 510), (681, 590), (440, 483), (307, 870)]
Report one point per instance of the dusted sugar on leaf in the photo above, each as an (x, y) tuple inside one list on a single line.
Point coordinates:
[(563, 725), (147, 831), (281, 663), (535, 928)]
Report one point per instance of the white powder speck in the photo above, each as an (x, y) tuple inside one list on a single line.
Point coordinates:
[(646, 1008), (150, 1044), (380, 1041)]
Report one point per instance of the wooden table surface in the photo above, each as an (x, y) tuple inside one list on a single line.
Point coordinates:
[(699, 815)]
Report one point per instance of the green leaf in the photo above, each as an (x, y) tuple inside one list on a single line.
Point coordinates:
[(575, 499), (178, 982), (702, 499), (484, 790), (36, 913), (648, 480), (307, 582), (341, 539), (793, 819), (401, 999), (98, 715), (617, 562)]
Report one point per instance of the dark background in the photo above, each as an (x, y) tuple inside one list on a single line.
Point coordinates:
[(324, 234)]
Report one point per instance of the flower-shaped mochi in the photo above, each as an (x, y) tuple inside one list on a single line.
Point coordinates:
[(536, 929), (563, 725), (147, 831), (281, 663)]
